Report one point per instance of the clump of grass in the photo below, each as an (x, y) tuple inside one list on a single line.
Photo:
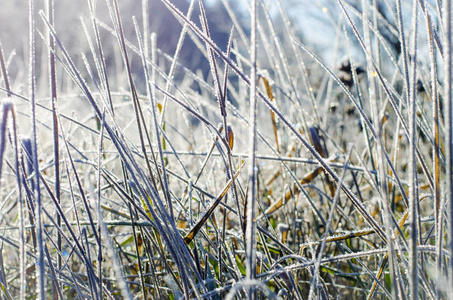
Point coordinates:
[(325, 177)]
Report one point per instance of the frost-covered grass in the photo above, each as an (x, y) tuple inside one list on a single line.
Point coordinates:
[(283, 170)]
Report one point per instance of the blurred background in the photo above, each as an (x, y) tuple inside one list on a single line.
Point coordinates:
[(315, 23)]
